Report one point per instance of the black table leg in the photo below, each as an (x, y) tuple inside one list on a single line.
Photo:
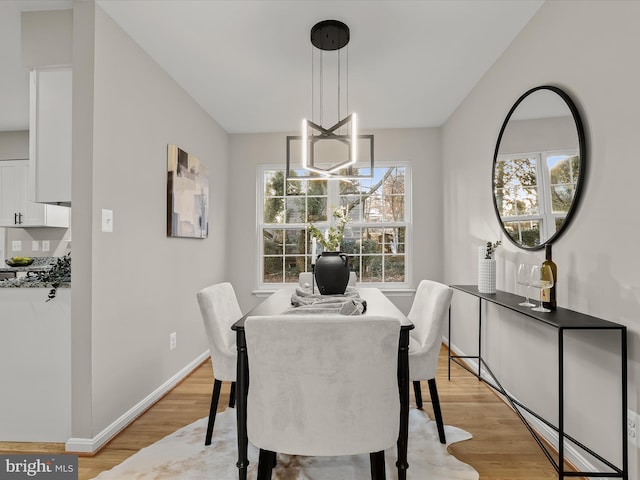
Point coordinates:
[(403, 388), (242, 387)]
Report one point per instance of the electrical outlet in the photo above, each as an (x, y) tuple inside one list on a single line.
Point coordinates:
[(16, 245), (46, 246), (35, 245), (633, 428), (172, 341)]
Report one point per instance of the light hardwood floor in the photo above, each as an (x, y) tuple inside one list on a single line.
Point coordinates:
[(501, 447)]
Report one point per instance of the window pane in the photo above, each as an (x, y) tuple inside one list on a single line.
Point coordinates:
[(526, 233), (394, 208), (373, 208), (353, 206), (295, 210), (394, 268), (371, 268), (563, 168), (274, 210), (516, 171), (296, 187), (394, 240), (274, 183), (272, 268), (316, 209), (393, 181), (526, 201), (293, 266), (352, 240), (561, 198), (295, 242), (372, 240), (272, 241)]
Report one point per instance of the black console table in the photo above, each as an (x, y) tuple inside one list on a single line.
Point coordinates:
[(560, 319)]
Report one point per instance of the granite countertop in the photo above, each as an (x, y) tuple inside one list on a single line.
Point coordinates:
[(30, 280), (39, 264)]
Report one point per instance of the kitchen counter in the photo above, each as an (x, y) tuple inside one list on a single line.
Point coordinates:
[(39, 264), (29, 282), (27, 276)]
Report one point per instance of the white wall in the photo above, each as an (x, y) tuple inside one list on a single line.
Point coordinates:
[(589, 49), (14, 145), (421, 147), (126, 111)]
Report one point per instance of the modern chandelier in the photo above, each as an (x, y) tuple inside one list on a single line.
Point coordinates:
[(332, 152)]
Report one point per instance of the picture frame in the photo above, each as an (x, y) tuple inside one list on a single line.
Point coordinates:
[(187, 195)]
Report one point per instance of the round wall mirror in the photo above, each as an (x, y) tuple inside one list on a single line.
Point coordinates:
[(538, 167)]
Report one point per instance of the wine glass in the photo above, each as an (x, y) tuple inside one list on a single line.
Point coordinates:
[(523, 277), (541, 278)]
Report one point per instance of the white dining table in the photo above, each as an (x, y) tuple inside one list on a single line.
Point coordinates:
[(377, 304)]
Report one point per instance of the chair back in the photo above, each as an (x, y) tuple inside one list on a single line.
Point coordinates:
[(428, 313), (220, 310), (323, 384)]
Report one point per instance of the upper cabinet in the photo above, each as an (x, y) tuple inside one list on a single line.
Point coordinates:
[(50, 136), (16, 210)]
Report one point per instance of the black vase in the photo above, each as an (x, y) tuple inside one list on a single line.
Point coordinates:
[(332, 273)]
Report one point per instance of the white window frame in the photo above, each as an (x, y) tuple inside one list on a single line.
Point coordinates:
[(332, 202)]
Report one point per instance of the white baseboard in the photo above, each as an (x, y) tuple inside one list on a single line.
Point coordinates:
[(92, 445), (572, 454)]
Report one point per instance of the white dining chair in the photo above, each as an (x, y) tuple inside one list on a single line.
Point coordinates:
[(220, 310), (428, 314), (322, 385)]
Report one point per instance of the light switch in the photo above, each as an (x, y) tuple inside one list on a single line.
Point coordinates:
[(45, 245), (35, 245), (16, 245), (107, 220)]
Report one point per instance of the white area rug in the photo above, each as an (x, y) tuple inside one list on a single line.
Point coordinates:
[(183, 455)]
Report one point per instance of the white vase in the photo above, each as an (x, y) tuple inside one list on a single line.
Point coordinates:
[(487, 275)]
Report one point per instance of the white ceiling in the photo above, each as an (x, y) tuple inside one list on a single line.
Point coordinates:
[(248, 62)]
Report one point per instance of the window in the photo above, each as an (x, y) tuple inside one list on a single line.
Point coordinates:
[(534, 192), (375, 237)]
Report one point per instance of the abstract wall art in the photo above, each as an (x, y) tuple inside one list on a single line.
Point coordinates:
[(187, 195)]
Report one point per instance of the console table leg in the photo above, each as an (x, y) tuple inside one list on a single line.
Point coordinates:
[(449, 349), (479, 338), (561, 403)]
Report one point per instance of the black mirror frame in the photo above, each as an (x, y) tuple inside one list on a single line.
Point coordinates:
[(581, 175)]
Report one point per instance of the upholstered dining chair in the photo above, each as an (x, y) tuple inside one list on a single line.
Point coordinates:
[(428, 314), (219, 308), (322, 385)]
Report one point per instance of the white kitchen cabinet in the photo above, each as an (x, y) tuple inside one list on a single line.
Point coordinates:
[(16, 210), (50, 136)]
